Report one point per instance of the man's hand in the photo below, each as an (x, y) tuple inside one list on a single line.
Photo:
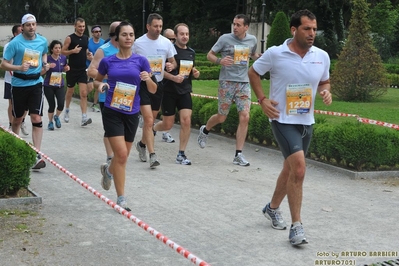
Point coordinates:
[(327, 97), (169, 66), (227, 61), (25, 66), (268, 107), (77, 49)]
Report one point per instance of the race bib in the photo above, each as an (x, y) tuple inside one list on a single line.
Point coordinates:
[(299, 98), (241, 54), (185, 67), (32, 57), (55, 79), (123, 96), (156, 64)]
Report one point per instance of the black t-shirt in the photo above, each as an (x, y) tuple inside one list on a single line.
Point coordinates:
[(78, 61), (186, 85)]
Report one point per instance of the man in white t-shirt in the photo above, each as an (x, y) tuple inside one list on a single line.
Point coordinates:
[(298, 71), (157, 49)]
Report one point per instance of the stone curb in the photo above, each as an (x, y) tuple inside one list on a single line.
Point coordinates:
[(35, 199)]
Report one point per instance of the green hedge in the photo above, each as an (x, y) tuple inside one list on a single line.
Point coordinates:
[(352, 145), (16, 160)]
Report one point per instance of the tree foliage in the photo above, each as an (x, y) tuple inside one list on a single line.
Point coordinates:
[(208, 19), (279, 31), (383, 29), (359, 74)]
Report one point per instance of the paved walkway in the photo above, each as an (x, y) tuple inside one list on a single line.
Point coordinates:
[(212, 208)]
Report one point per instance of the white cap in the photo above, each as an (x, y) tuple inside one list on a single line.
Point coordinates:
[(28, 18)]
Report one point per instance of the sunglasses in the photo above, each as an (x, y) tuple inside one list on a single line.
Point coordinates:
[(97, 31), (172, 39)]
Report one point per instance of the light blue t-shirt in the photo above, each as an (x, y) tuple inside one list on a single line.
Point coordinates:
[(93, 47), (21, 49), (108, 50)]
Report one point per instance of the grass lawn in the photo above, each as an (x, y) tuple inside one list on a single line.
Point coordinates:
[(385, 108)]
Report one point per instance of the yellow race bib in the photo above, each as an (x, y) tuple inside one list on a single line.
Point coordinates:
[(55, 79), (299, 98), (32, 57), (123, 96), (241, 54)]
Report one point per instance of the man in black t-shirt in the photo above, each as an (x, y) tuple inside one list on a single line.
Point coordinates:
[(76, 48), (177, 91)]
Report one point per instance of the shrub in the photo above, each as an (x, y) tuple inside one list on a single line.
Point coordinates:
[(359, 74), (259, 128), (207, 111), (280, 30), (229, 126), (16, 160)]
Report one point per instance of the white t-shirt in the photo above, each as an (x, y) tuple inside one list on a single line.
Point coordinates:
[(288, 70), (154, 50)]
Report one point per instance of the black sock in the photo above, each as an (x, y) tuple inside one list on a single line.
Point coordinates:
[(205, 131), (181, 153), (238, 151), (142, 145)]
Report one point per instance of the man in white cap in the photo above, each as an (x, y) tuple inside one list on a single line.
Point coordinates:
[(26, 56)]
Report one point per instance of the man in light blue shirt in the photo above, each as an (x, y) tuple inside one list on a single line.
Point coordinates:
[(26, 56)]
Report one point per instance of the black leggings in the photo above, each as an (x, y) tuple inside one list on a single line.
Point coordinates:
[(59, 93)]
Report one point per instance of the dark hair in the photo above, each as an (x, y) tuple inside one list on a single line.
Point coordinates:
[(78, 20), (296, 17), (153, 16), (52, 44), (118, 28), (95, 26), (178, 25), (244, 17), (15, 28)]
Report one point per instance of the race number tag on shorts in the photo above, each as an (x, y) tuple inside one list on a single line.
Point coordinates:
[(156, 64), (123, 96), (241, 54), (32, 57), (185, 67), (55, 79), (299, 98)]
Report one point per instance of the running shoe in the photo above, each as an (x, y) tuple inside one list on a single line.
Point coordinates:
[(24, 130), (121, 201), (50, 126), (142, 152), (85, 121), (66, 116), (57, 121), (39, 164), (297, 234), (106, 180), (153, 161), (274, 215), (202, 137), (167, 137), (240, 160), (94, 108), (182, 159)]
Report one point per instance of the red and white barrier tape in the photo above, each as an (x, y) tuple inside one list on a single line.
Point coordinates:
[(179, 249), (360, 119)]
